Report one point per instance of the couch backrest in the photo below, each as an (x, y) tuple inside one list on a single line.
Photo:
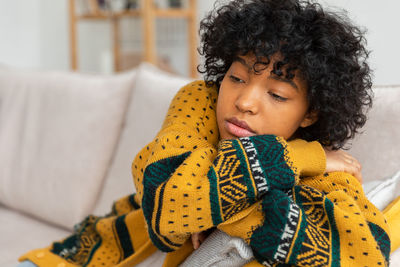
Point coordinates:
[(58, 132), (378, 146)]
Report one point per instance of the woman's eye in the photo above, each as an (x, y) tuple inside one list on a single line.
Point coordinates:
[(236, 79), (278, 97)]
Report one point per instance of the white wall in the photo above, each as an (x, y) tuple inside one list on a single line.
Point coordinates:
[(20, 45), (53, 37), (34, 34), (382, 20)]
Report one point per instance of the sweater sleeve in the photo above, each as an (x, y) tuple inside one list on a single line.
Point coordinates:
[(323, 221), (186, 183), (247, 168)]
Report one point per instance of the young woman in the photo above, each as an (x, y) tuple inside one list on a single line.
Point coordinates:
[(254, 150)]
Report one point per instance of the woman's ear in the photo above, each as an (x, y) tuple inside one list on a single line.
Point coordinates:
[(309, 119)]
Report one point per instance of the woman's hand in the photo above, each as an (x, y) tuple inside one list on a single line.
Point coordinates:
[(198, 238), (339, 160)]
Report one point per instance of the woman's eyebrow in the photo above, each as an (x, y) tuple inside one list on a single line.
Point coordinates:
[(283, 79), (275, 77), (243, 62)]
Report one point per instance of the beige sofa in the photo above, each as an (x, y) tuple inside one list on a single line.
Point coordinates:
[(67, 141)]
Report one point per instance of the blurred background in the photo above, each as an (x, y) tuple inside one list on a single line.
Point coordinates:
[(114, 35)]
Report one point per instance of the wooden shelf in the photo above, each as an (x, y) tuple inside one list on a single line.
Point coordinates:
[(148, 13), (173, 13), (105, 15), (162, 13)]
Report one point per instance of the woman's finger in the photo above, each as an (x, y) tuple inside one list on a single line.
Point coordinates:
[(355, 170), (195, 240)]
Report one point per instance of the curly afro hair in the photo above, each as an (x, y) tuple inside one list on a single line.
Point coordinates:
[(324, 48)]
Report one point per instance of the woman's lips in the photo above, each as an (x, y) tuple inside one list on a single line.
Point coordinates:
[(238, 128)]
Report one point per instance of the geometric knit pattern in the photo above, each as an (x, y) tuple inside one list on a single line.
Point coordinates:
[(295, 236), (80, 247), (318, 235), (243, 171), (255, 165), (301, 230), (271, 241), (76, 249), (275, 164), (358, 229), (230, 183)]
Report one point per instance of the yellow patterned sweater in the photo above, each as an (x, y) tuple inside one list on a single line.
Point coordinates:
[(272, 193)]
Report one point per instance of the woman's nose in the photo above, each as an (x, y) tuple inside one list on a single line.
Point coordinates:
[(247, 101)]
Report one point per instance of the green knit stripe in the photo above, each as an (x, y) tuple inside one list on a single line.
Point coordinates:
[(382, 238), (266, 239), (154, 175), (123, 236), (158, 218), (329, 208), (133, 202), (296, 249), (66, 244), (271, 154), (214, 197)]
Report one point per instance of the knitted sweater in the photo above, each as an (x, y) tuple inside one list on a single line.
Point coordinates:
[(270, 192)]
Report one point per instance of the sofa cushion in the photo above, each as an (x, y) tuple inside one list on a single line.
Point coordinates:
[(57, 136), (150, 99), (377, 147), (20, 233), (383, 191)]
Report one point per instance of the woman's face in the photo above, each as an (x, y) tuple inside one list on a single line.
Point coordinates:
[(259, 103)]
